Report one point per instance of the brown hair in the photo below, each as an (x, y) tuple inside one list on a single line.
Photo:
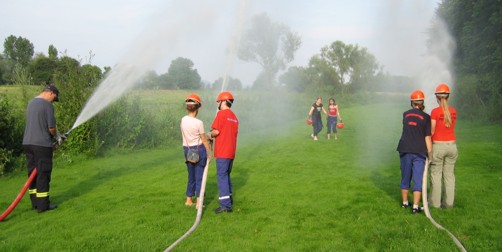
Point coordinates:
[(193, 107)]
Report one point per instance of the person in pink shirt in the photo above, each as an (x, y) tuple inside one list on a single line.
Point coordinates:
[(192, 131), (444, 150), (333, 115)]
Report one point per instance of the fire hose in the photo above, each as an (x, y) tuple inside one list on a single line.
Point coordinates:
[(199, 208), (20, 195), (427, 212), (30, 179)]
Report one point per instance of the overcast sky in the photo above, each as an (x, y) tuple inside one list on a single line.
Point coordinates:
[(119, 31)]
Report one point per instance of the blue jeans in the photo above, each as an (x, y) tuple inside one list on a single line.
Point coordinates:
[(412, 168), (195, 171), (223, 170), (317, 125), (332, 120)]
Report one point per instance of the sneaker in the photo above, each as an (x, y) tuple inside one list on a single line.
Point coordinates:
[(315, 138), (406, 205), (416, 210), (222, 209)]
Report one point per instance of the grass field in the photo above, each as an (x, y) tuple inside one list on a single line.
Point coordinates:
[(290, 194)]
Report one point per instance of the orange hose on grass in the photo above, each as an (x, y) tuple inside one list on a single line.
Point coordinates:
[(19, 196)]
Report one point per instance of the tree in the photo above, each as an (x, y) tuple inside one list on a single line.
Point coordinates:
[(295, 79), (272, 45), (477, 29), (182, 75), (18, 50), (42, 68), (344, 66), (233, 84), (53, 52), (3, 70)]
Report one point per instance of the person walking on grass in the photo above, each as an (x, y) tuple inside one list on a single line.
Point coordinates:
[(39, 132), (225, 128), (333, 115), (315, 116), (194, 137), (444, 151), (413, 147)]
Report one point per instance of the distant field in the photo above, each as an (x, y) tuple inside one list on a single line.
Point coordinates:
[(291, 194)]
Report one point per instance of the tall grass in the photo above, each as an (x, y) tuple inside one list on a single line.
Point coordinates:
[(291, 194)]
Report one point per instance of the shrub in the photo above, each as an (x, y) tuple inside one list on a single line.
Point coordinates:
[(10, 136)]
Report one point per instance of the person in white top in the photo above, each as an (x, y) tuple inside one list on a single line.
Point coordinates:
[(192, 130)]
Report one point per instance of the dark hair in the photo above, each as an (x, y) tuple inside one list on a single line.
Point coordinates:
[(193, 107), (419, 104)]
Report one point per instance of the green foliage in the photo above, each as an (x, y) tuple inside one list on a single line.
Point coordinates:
[(42, 69), (76, 84), (18, 50), (476, 26), (52, 52), (10, 135), (231, 85), (294, 79), (271, 45), (182, 75), (345, 67), (3, 70)]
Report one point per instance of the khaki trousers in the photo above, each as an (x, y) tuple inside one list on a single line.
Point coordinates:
[(442, 167)]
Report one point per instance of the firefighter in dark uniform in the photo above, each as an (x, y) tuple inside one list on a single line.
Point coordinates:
[(38, 138)]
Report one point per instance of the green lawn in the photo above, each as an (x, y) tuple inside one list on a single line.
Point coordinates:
[(291, 194)]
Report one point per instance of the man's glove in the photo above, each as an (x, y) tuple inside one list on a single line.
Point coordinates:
[(60, 138)]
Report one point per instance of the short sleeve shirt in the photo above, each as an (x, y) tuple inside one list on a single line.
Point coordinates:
[(317, 110), (191, 128), (441, 132), (416, 126), (39, 118), (226, 142)]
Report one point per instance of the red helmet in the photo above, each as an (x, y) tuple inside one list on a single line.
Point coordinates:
[(442, 89), (225, 96), (417, 95), (309, 122), (195, 98), (339, 125)]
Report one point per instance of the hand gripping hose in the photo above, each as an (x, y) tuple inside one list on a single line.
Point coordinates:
[(199, 209), (20, 195), (427, 212)]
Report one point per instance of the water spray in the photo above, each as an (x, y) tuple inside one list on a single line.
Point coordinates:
[(427, 212)]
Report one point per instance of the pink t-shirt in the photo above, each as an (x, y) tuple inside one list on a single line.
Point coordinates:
[(192, 128)]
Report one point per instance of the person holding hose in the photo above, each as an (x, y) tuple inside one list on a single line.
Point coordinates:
[(225, 128), (315, 115), (39, 131), (192, 131), (444, 151), (413, 147), (333, 115)]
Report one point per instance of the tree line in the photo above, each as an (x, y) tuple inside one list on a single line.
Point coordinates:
[(477, 29)]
